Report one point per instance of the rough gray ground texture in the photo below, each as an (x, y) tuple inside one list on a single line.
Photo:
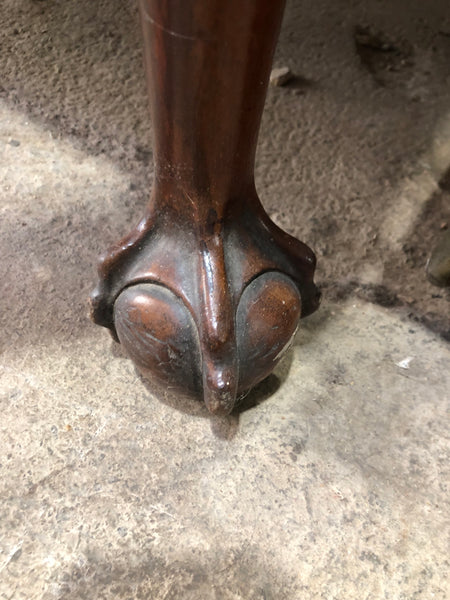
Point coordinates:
[(332, 480)]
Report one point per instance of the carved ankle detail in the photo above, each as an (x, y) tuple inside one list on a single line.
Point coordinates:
[(207, 315)]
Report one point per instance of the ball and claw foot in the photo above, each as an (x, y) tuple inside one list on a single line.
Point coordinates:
[(206, 309)]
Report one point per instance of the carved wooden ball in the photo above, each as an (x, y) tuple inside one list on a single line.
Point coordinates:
[(160, 333)]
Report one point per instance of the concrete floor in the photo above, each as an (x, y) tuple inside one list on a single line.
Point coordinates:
[(331, 484), (332, 481)]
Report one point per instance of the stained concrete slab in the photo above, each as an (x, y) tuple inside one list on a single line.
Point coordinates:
[(331, 482)]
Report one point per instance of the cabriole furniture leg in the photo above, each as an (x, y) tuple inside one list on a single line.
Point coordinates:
[(207, 292)]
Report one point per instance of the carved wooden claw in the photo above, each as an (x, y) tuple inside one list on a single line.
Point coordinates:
[(207, 309), (206, 293)]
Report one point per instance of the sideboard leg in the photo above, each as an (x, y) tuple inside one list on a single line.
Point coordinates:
[(206, 293)]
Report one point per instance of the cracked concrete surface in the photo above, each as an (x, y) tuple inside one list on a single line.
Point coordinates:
[(330, 483)]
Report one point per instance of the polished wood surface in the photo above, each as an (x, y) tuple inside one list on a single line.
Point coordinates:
[(207, 292)]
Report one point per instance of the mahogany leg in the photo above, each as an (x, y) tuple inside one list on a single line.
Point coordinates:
[(206, 293)]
